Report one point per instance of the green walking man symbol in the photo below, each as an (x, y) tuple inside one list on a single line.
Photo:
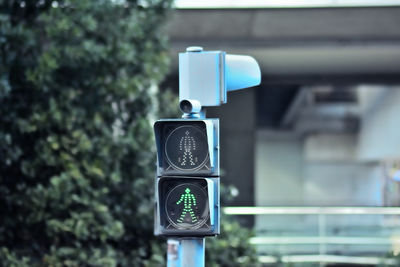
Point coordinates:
[(188, 200)]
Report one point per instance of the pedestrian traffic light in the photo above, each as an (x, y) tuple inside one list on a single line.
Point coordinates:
[(187, 184), (187, 206), (187, 147)]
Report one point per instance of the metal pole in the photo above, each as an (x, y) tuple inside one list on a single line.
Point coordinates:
[(185, 252), (322, 235)]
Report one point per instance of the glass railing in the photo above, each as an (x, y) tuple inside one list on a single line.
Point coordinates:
[(349, 235)]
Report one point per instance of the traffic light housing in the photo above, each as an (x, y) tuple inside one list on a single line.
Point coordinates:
[(187, 206), (187, 183), (201, 139), (207, 76)]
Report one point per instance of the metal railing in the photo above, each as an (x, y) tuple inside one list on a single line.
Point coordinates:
[(354, 235)]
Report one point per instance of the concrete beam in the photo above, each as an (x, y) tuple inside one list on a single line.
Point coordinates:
[(299, 44), (260, 26)]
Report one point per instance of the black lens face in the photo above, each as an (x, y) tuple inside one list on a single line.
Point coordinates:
[(186, 206), (186, 148)]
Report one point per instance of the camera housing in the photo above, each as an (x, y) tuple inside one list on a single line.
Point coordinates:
[(188, 106)]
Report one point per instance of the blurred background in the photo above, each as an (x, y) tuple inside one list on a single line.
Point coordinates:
[(322, 130), (310, 158)]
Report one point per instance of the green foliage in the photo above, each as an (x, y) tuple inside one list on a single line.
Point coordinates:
[(390, 259), (76, 145), (168, 104), (232, 247)]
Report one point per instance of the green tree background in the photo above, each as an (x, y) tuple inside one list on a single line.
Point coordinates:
[(78, 92)]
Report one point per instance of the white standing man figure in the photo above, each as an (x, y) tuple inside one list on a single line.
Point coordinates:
[(187, 145)]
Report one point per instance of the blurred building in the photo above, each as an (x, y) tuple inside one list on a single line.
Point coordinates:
[(323, 129)]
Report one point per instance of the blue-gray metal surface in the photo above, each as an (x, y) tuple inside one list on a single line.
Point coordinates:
[(185, 252)]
